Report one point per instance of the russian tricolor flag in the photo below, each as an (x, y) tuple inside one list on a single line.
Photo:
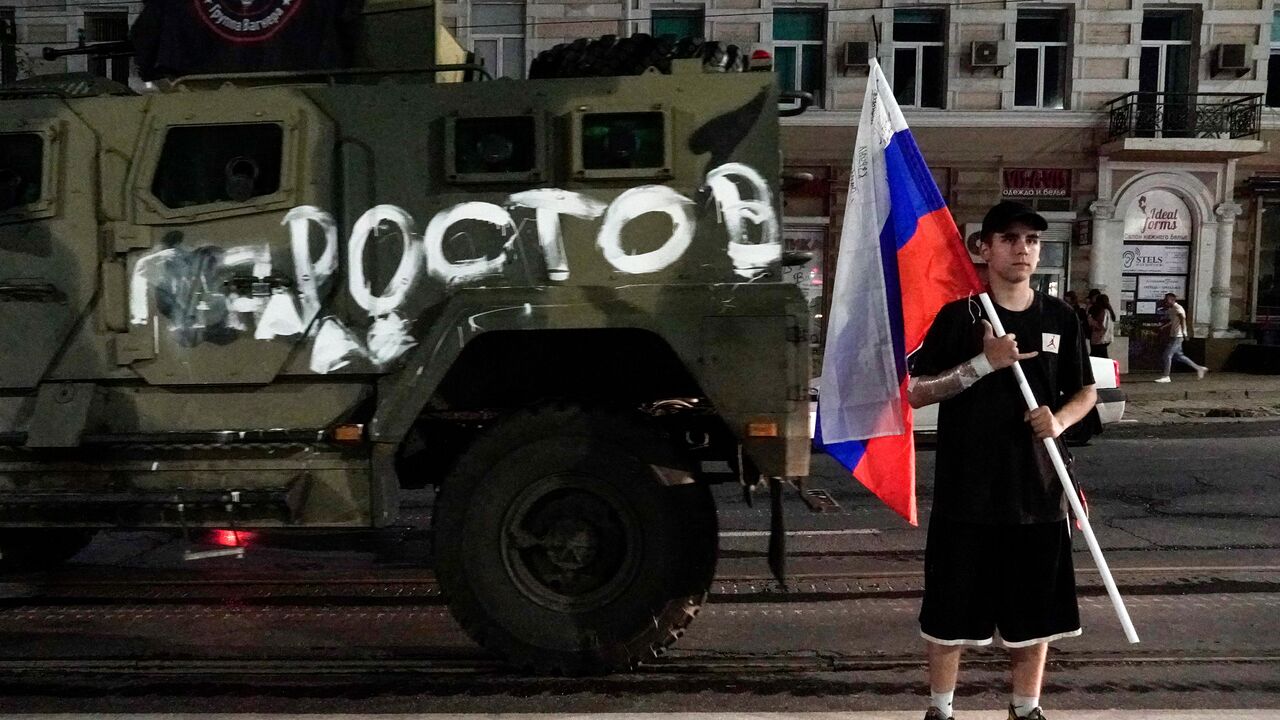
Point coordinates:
[(901, 259)]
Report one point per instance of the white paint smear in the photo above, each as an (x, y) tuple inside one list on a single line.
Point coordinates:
[(452, 273), (311, 275), (749, 259), (243, 303), (334, 347), (256, 257), (549, 205), (397, 289), (388, 339), (140, 282), (631, 205), (280, 318)]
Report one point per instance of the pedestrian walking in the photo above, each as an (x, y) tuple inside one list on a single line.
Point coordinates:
[(998, 552), (1102, 318), (1176, 326)]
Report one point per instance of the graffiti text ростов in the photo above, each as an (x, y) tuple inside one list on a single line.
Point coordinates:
[(215, 293)]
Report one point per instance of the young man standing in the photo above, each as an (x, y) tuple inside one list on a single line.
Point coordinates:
[(998, 554), (1176, 326)]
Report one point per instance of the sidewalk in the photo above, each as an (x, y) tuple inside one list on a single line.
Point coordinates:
[(1219, 397)]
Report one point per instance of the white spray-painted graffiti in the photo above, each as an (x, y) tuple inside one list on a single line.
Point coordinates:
[(192, 290)]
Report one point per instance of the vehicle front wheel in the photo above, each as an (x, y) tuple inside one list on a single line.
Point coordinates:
[(574, 541)]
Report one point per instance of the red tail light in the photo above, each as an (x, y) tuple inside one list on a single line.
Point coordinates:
[(232, 538), (1116, 364)]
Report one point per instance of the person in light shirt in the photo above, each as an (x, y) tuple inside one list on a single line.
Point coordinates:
[(1176, 326)]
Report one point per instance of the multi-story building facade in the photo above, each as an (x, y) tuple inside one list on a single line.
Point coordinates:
[(1142, 131)]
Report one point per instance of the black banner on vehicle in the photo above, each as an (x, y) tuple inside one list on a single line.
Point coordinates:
[(186, 37)]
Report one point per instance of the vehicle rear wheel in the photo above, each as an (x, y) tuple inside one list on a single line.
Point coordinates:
[(574, 541), (26, 549)]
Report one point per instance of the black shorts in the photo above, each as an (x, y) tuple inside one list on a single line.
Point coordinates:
[(1015, 579)]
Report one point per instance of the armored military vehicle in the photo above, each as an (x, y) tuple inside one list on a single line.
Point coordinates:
[(276, 300)]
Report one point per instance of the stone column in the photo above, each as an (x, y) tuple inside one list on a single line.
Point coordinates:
[(1104, 253), (1220, 292)]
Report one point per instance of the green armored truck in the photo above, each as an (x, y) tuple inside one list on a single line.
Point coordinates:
[(278, 299)]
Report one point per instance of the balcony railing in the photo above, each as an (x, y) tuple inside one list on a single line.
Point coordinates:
[(1224, 116)]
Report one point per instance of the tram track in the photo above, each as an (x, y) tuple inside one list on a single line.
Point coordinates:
[(479, 667), (420, 586), (367, 632)]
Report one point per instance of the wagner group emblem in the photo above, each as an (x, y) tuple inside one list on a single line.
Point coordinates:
[(247, 21)]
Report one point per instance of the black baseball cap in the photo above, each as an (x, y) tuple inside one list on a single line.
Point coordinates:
[(1006, 212)]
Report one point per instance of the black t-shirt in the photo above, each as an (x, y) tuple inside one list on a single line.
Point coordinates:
[(987, 465)]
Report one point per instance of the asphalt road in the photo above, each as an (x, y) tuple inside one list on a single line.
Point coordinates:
[(1187, 518)]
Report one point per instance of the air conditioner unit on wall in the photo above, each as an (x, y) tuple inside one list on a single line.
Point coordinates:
[(990, 53), (1232, 58), (857, 54)]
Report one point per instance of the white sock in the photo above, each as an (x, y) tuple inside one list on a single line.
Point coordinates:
[(1022, 706), (942, 700)]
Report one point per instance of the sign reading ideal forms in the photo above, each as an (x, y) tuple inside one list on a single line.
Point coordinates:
[(1158, 216)]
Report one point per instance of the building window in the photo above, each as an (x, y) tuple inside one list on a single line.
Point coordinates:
[(1273, 64), (108, 27), (798, 51), (497, 38), (678, 24), (1268, 273), (1165, 74), (1040, 62), (1165, 65), (1055, 254), (919, 58)]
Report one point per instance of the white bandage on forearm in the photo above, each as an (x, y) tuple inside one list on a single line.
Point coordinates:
[(930, 389), (981, 366)]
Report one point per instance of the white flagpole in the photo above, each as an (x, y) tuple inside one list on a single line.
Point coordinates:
[(1068, 489)]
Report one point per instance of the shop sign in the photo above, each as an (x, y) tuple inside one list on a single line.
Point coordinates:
[(1037, 182), (1155, 259), (1154, 287), (1157, 216)]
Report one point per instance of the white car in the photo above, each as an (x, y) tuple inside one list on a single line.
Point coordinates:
[(1110, 407)]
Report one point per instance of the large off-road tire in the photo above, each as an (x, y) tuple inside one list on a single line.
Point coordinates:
[(25, 550), (570, 541), (610, 56)]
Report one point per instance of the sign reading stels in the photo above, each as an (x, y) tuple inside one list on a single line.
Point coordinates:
[(1037, 182)]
